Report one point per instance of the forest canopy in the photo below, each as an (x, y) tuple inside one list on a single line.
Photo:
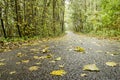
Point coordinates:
[(31, 18), (100, 17), (44, 18)]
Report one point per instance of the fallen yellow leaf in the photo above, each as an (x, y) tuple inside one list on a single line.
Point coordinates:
[(83, 75), (38, 63), (91, 67), (2, 64), (45, 50), (58, 59), (52, 61), (18, 62), (58, 73), (43, 57), (79, 49), (112, 64), (20, 54), (25, 61), (36, 57), (61, 66), (35, 50), (12, 72), (33, 68), (49, 56), (2, 60)]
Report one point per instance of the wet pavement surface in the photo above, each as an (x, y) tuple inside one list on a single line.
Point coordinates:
[(97, 51)]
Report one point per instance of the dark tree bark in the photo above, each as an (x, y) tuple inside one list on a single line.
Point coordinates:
[(17, 18), (2, 24)]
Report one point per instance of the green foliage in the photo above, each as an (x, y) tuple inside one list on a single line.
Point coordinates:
[(100, 17), (42, 18)]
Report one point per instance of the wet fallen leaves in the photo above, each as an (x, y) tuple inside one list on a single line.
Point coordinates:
[(45, 50), (2, 64), (25, 61), (91, 67), (12, 72), (58, 73), (38, 63), (83, 75), (34, 50), (112, 53), (112, 64), (20, 54), (2, 60), (58, 59), (18, 63), (61, 66), (33, 68), (79, 49)]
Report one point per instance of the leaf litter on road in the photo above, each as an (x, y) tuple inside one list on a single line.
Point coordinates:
[(83, 75), (25, 61), (38, 63), (45, 50), (61, 66), (18, 63), (33, 68), (20, 54), (112, 64), (58, 59), (2, 60), (12, 72), (90, 67), (79, 49), (58, 73), (2, 64)]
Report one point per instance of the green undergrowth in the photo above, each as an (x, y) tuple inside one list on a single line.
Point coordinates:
[(23, 39)]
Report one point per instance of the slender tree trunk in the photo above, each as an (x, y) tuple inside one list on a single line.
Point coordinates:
[(2, 24), (54, 16), (16, 8)]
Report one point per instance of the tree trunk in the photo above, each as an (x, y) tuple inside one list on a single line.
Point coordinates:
[(2, 24), (17, 20)]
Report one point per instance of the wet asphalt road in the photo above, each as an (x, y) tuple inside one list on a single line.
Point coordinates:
[(95, 53)]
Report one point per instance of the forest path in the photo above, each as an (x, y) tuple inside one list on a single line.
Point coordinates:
[(14, 66)]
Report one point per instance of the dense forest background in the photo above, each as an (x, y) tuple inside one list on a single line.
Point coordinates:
[(44, 18), (101, 17), (28, 18)]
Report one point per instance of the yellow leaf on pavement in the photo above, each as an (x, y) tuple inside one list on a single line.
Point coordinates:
[(20, 54), (35, 50), (25, 61), (33, 68), (38, 63), (36, 57), (12, 72), (2, 64), (45, 50), (58, 59), (91, 67), (61, 66), (79, 49), (58, 72), (18, 62), (112, 64), (83, 75), (2, 60)]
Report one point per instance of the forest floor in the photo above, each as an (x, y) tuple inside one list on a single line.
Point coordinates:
[(40, 61)]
